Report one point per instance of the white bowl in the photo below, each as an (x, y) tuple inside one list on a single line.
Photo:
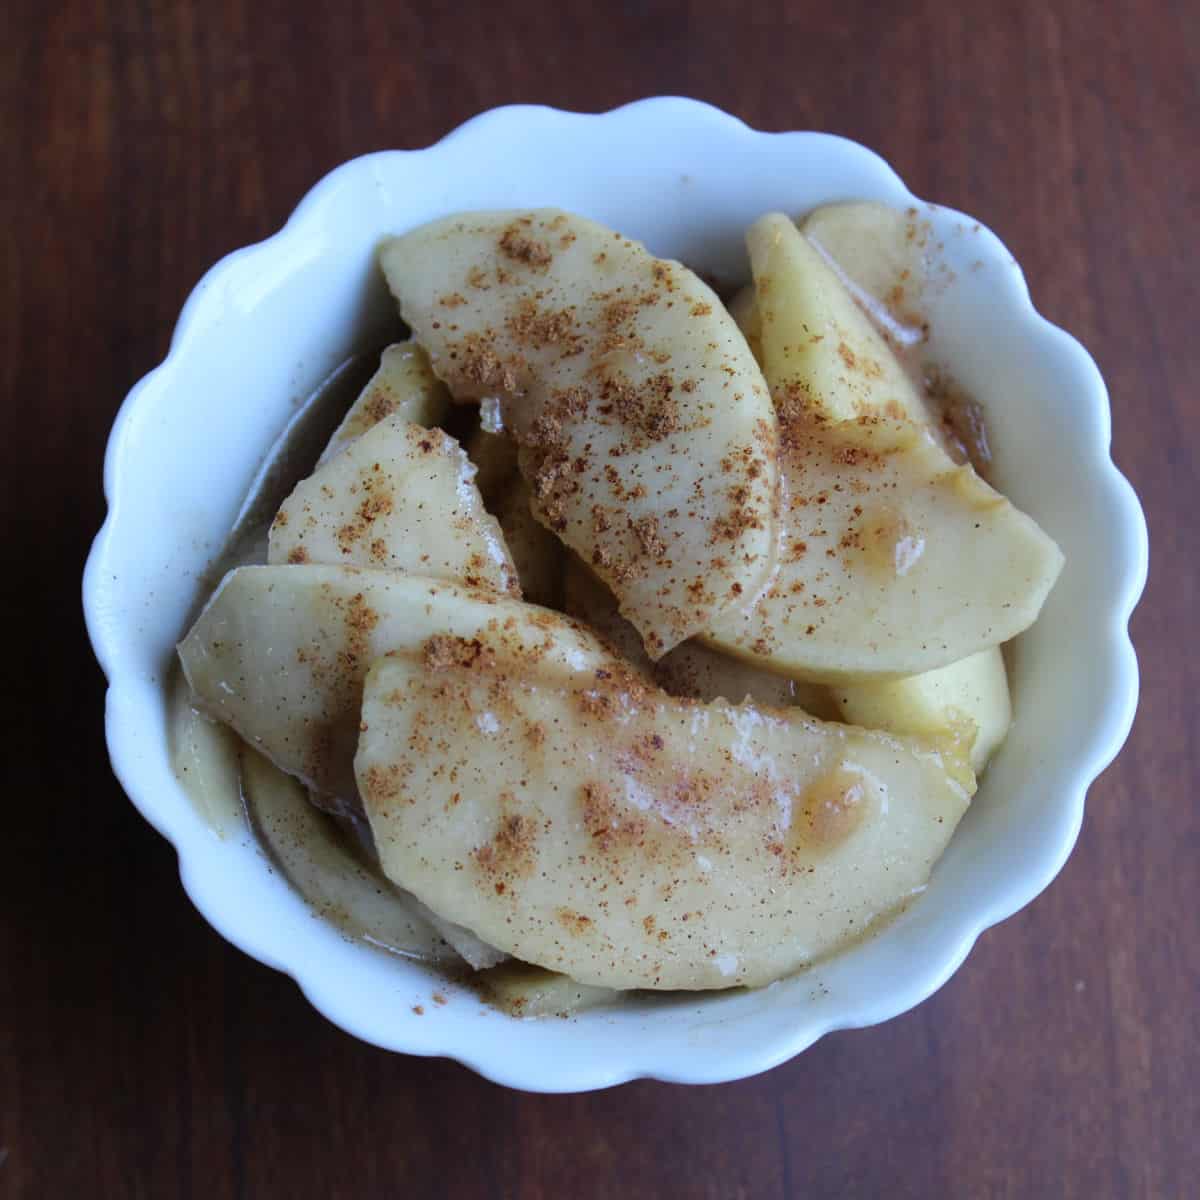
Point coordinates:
[(267, 323)]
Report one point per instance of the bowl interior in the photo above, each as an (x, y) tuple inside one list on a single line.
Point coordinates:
[(270, 322)]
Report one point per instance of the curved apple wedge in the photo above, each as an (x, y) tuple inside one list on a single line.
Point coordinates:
[(645, 427), (822, 357), (400, 497), (895, 560), (280, 653), (596, 827), (404, 386), (972, 693), (743, 308), (522, 990), (338, 882), (326, 872), (882, 256)]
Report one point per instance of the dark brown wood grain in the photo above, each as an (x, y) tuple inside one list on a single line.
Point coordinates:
[(142, 1056)]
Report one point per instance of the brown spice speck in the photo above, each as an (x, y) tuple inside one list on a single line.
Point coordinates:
[(516, 243), (541, 328), (512, 849), (649, 536), (479, 366), (443, 652)]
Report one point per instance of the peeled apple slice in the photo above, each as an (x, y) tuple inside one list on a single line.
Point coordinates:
[(404, 386), (536, 553), (479, 956), (525, 991), (881, 255), (464, 943), (645, 427), (334, 881), (280, 653), (596, 827), (821, 355), (743, 308), (692, 671), (325, 872), (894, 560), (400, 497), (972, 692)]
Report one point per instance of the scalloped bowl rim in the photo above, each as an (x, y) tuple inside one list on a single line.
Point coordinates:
[(578, 1055)]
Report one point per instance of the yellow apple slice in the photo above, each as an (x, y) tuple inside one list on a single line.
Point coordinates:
[(345, 886), (204, 755), (882, 256), (692, 670), (279, 653), (894, 561), (972, 692), (361, 902), (743, 308), (644, 423), (404, 386), (478, 955), (821, 355), (536, 553), (590, 825), (522, 990), (399, 497)]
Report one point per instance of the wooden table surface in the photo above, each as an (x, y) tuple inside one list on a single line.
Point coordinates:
[(140, 1055)]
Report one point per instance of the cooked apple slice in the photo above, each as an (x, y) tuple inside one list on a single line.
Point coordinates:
[(895, 561), (536, 553), (743, 308), (404, 386), (593, 826), (399, 497), (339, 884), (645, 427), (522, 990), (279, 653), (972, 692), (361, 902), (204, 755), (692, 671), (821, 355), (478, 955), (882, 256)]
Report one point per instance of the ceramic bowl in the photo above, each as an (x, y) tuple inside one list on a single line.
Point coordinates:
[(268, 322)]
